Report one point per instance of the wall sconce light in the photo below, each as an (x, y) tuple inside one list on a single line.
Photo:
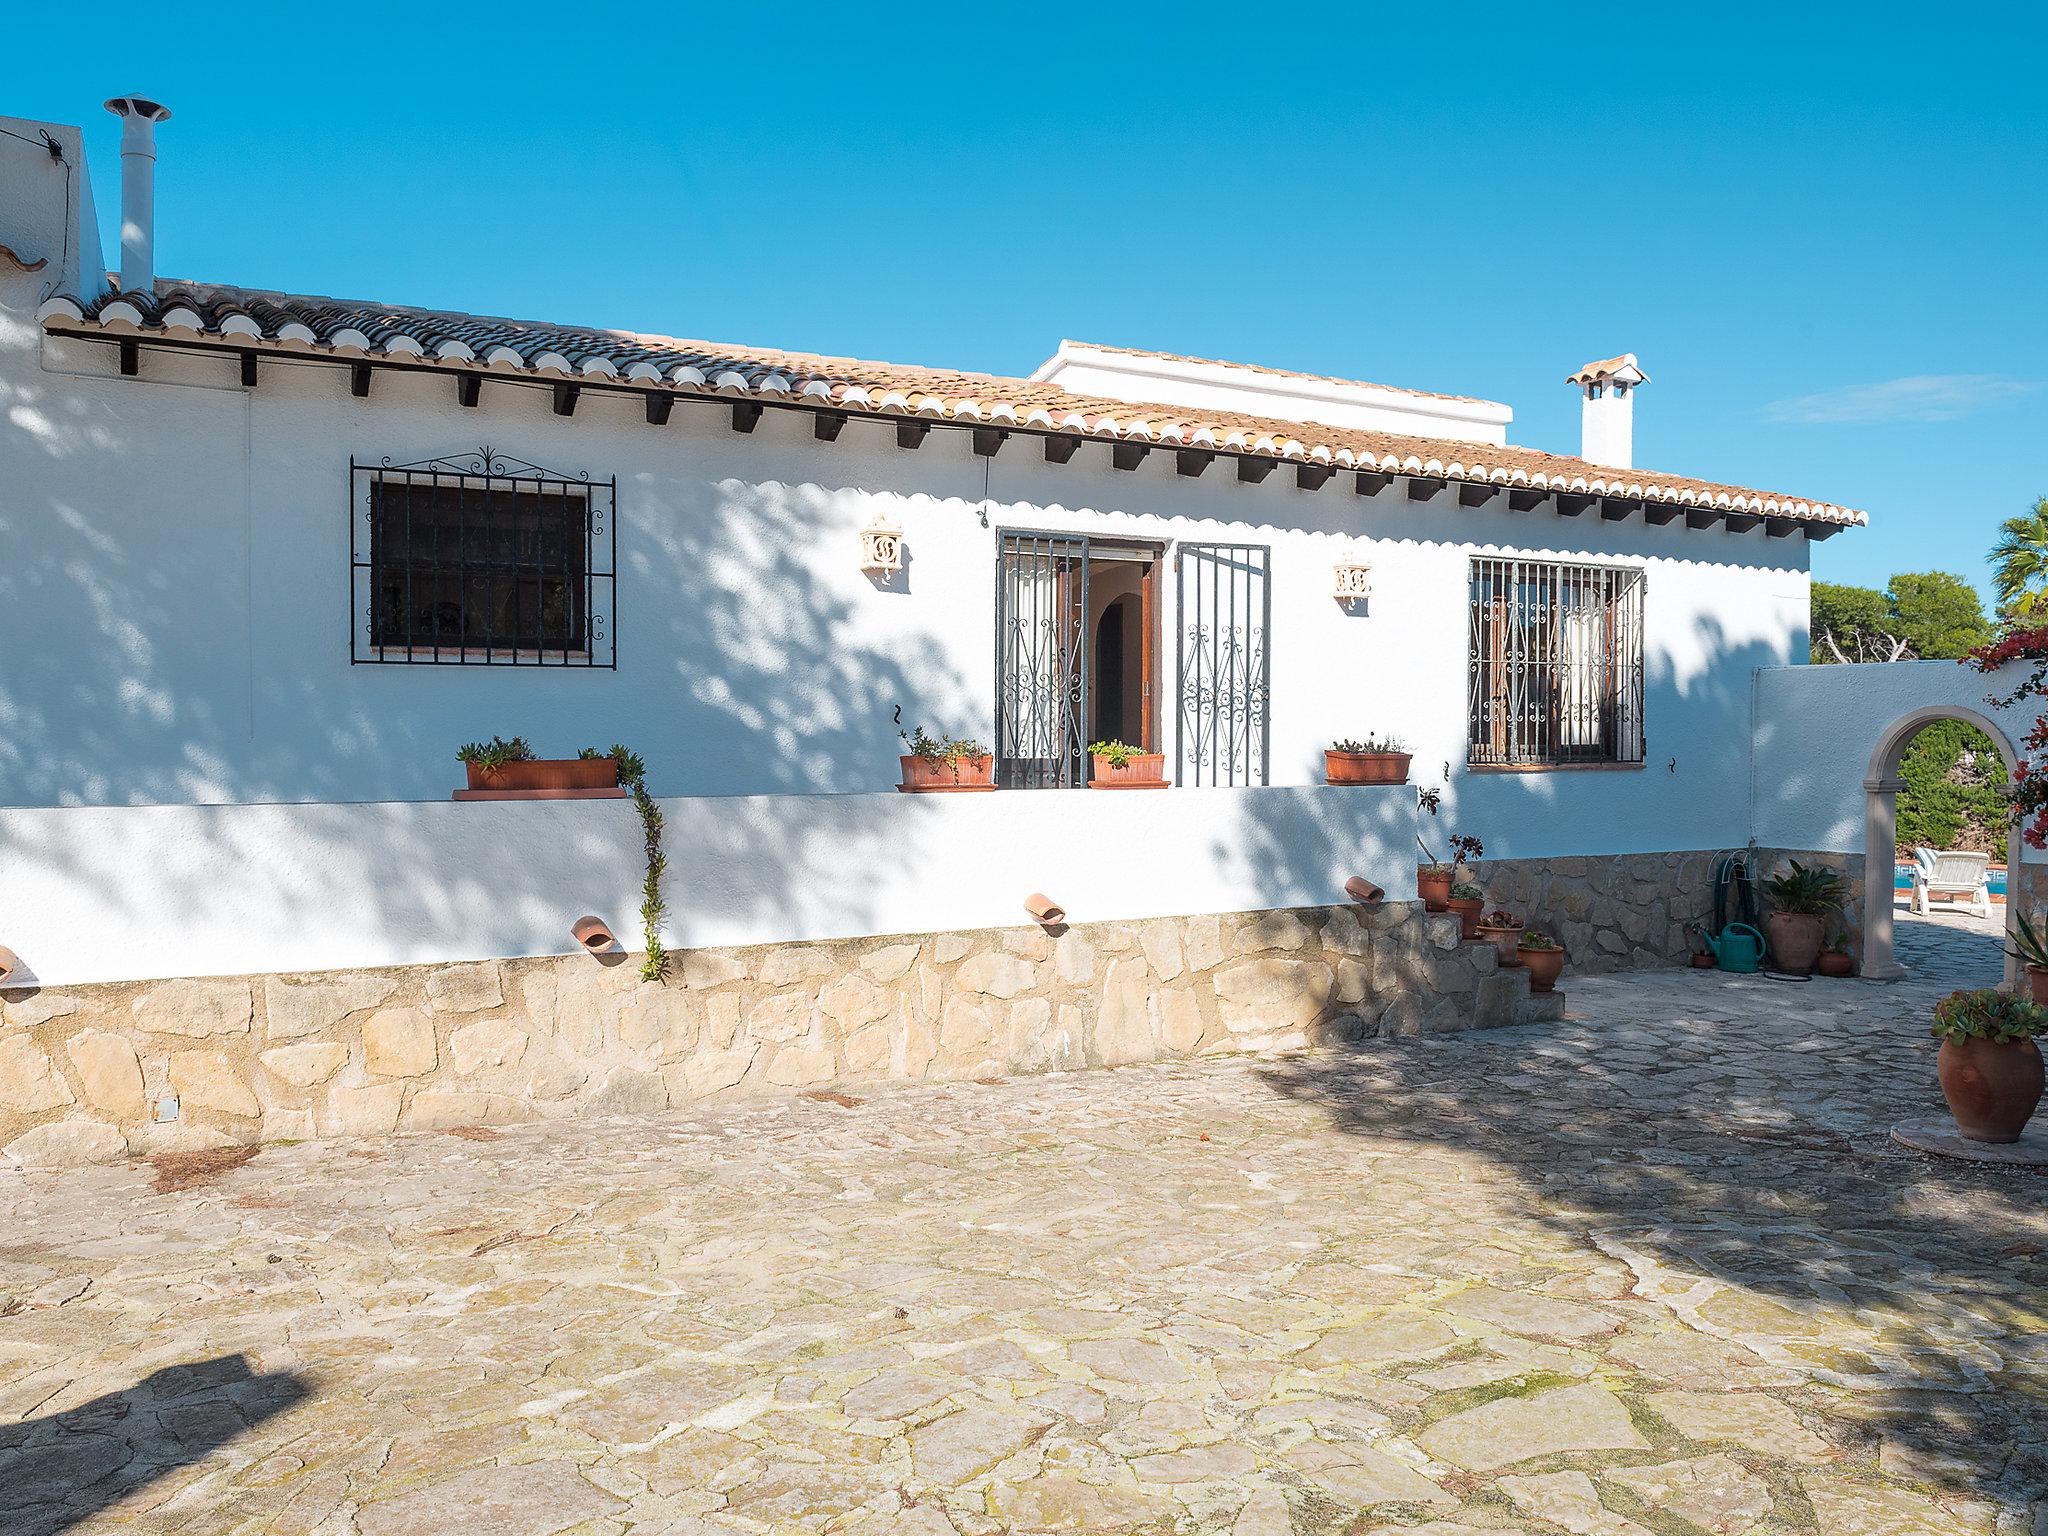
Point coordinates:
[(1360, 889), (10, 962), (881, 547), (1044, 909), (593, 935), (1351, 582)]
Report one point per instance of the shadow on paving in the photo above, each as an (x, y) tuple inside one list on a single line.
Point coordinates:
[(60, 1471), (1749, 1143)]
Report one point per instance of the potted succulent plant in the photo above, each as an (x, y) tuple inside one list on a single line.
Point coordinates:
[(1119, 765), (1434, 877), (1802, 898), (2030, 947), (1468, 901), (1502, 929), (1544, 957), (1835, 959), (944, 765), (1375, 760), (1989, 1066), (499, 766)]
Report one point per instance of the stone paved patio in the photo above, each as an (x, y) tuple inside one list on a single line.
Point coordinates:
[(1656, 1269), (1950, 946)]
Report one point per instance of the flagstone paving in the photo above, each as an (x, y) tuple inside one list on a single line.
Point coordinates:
[(1655, 1269)]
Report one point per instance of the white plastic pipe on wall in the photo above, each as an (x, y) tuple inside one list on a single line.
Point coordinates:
[(139, 117)]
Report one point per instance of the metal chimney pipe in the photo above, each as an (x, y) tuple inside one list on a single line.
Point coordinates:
[(139, 117)]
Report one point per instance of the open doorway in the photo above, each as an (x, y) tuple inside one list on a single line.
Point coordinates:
[(1936, 870), (1077, 623)]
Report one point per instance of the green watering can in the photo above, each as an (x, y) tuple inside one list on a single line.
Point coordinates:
[(1738, 947)]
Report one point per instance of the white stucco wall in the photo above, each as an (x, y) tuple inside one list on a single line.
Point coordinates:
[(174, 603), (1817, 728), (119, 893)]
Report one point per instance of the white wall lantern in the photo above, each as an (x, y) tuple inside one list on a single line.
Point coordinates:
[(1351, 582), (881, 547)]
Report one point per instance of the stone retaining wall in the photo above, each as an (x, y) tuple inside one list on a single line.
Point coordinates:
[(1625, 911), (90, 1073)]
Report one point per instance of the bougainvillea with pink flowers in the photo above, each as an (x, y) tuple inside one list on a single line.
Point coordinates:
[(2030, 779)]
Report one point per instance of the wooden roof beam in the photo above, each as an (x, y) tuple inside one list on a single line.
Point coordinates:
[(746, 415), (566, 396), (1370, 482), (1191, 461), (1742, 522), (827, 425), (1525, 501), (1424, 490), (1128, 455), (1252, 470), (1701, 517), (658, 408), (988, 441), (1817, 532), (1059, 447), (469, 389), (1778, 527), (911, 434), (359, 380), (1657, 513), (1312, 477), (1613, 508), (1571, 506), (1476, 493)]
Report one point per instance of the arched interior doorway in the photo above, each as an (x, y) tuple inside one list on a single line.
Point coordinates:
[(1881, 786)]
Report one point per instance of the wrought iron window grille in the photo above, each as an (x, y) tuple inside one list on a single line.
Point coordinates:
[(1223, 617), (481, 559), (1555, 664)]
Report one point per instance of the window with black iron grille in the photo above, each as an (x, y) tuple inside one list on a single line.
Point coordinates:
[(1555, 664), (481, 560)]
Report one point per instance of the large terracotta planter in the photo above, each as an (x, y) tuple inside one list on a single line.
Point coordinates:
[(1796, 938), (547, 773), (1506, 940), (1834, 963), (2037, 984), (947, 775), (1991, 1089), (1544, 967), (1468, 909), (1366, 767), (1144, 770), (1434, 887)]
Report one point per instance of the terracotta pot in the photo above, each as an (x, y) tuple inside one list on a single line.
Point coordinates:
[(1365, 767), (947, 775), (1434, 887), (1704, 962), (1468, 909), (1545, 966), (1506, 940), (593, 935), (1991, 1089), (1832, 963), (1145, 770), (10, 962), (2037, 984), (547, 773), (1795, 938)]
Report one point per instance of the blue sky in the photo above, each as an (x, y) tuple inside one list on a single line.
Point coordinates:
[(1825, 232)]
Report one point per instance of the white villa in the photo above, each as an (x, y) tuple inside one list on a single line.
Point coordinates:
[(267, 560)]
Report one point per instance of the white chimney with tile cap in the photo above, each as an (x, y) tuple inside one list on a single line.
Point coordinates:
[(1607, 428), (139, 117)]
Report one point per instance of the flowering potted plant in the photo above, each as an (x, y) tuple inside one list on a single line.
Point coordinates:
[(1468, 901), (1375, 760), (1434, 877), (1989, 1066), (1502, 929), (1803, 897), (1119, 765), (944, 765), (1544, 958), (501, 767)]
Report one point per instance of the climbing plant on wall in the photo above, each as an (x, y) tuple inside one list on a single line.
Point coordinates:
[(2027, 800), (632, 771)]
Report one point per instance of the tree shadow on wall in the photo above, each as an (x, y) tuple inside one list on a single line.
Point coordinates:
[(60, 1471)]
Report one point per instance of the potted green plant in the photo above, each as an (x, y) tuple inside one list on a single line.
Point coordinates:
[(1544, 958), (1375, 760), (1835, 960), (501, 767), (1989, 1066), (1119, 765), (1801, 899), (1434, 877), (944, 765), (1468, 901), (1503, 930), (2030, 947)]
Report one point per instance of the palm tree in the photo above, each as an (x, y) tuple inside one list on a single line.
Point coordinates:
[(2019, 563)]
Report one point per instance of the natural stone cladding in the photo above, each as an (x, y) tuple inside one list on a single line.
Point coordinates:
[(86, 1072), (1615, 912)]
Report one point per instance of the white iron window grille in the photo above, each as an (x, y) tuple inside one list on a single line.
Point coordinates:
[(1555, 664)]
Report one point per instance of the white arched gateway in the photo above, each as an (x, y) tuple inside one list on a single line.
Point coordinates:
[(1826, 769)]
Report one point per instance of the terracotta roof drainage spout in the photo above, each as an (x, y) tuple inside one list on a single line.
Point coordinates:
[(1360, 889), (1044, 909), (593, 935), (139, 117)]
